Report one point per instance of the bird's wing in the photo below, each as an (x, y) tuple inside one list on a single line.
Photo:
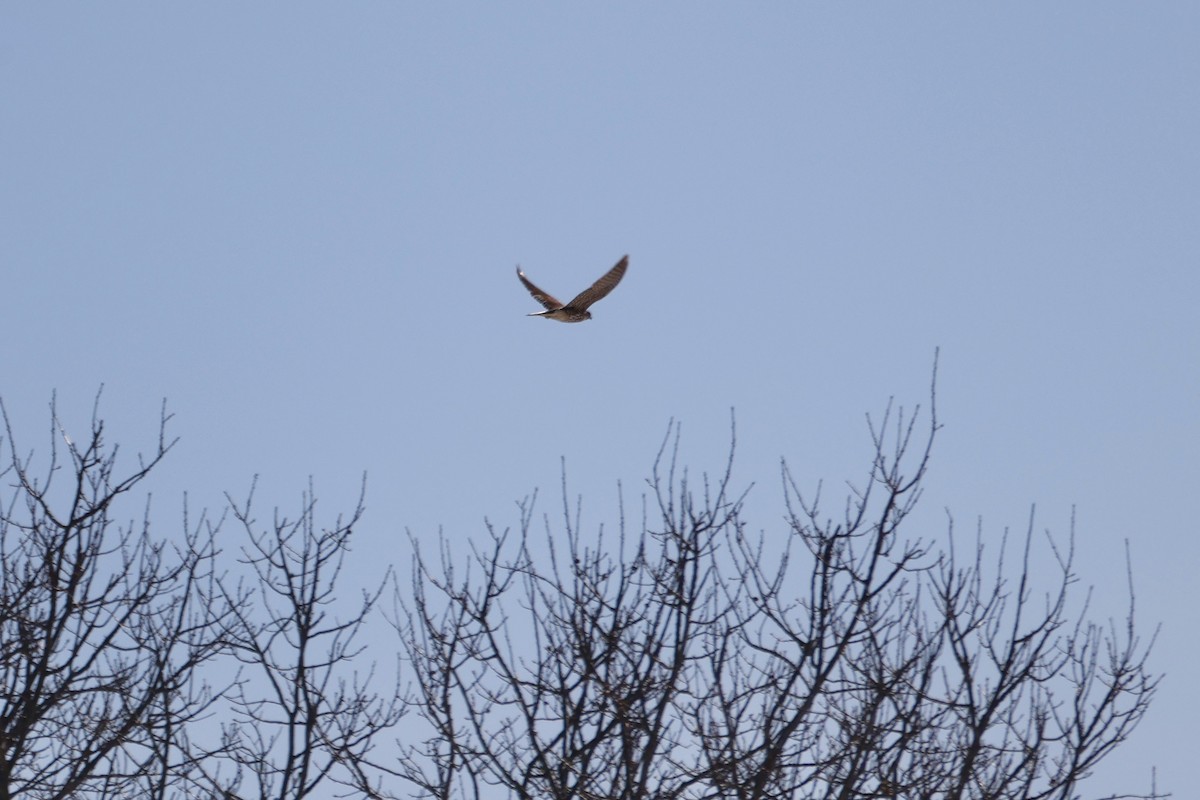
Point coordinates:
[(601, 287), (546, 300)]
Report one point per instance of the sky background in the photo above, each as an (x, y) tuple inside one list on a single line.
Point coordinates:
[(298, 223)]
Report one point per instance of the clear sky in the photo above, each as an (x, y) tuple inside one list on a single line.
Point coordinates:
[(299, 224)]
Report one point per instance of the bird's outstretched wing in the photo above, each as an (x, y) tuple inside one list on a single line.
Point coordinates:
[(546, 300), (601, 287)]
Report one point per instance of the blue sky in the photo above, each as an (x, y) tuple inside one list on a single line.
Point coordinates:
[(299, 224)]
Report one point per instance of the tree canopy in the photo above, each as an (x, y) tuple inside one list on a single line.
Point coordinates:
[(677, 653)]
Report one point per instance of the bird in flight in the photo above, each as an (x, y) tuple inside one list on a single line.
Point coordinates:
[(577, 309)]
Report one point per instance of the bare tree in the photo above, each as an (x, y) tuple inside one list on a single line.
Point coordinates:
[(103, 627), (303, 716), (842, 659), (107, 633), (682, 658)]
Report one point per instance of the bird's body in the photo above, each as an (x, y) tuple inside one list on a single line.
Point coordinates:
[(577, 309)]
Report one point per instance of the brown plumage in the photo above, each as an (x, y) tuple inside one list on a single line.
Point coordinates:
[(577, 309)]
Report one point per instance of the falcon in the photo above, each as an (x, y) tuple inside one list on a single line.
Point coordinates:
[(577, 309)]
